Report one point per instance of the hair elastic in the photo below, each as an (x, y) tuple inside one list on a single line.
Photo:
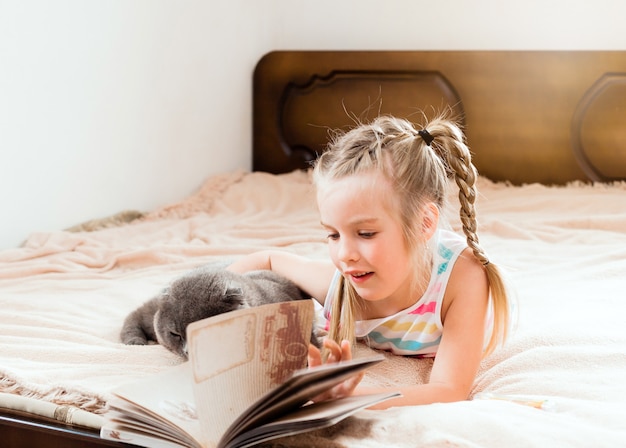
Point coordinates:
[(428, 139)]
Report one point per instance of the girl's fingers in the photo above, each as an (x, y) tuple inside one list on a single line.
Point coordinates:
[(315, 356), (346, 350), (335, 351), (351, 383)]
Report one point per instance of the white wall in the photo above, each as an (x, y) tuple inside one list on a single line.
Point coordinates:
[(453, 24), (108, 105)]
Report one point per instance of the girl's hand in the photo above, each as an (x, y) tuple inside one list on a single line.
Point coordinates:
[(337, 353)]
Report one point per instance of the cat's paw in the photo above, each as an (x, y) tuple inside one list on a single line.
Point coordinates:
[(135, 340)]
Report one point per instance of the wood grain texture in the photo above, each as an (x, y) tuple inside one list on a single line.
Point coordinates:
[(518, 105)]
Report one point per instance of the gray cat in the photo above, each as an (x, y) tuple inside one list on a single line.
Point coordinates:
[(201, 293)]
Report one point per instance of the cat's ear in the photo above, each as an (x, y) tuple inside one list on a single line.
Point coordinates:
[(234, 294), (234, 291), (163, 296)]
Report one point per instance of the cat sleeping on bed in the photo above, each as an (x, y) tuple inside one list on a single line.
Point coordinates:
[(200, 293)]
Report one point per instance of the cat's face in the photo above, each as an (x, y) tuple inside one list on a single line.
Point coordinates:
[(191, 298)]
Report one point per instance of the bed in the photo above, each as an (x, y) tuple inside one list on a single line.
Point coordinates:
[(548, 133)]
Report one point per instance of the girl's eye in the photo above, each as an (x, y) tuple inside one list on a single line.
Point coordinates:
[(333, 236), (367, 234)]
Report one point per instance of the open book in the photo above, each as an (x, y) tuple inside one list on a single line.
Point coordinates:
[(245, 383)]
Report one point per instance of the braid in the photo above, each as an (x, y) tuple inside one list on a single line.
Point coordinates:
[(459, 160), (449, 143)]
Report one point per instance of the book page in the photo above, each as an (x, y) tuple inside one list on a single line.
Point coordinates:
[(299, 389), (239, 356), (309, 417), (160, 405)]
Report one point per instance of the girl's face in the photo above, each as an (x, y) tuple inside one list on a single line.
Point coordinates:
[(366, 241)]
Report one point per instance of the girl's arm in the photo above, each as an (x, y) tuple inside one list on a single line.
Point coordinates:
[(460, 350), (312, 276)]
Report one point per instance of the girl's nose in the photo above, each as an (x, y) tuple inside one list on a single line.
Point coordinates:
[(347, 251)]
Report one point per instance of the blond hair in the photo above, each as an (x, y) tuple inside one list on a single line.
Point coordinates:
[(418, 167)]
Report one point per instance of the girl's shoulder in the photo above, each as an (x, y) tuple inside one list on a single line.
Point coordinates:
[(467, 284), (449, 246), (453, 247)]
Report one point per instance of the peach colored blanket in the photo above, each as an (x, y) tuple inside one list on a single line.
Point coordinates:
[(64, 295)]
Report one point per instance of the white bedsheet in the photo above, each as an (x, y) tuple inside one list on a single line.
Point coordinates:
[(63, 297)]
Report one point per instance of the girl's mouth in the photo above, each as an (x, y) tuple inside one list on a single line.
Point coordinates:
[(361, 277)]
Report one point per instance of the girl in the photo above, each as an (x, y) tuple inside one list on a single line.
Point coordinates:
[(398, 280)]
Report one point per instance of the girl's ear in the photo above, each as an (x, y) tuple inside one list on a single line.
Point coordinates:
[(430, 219)]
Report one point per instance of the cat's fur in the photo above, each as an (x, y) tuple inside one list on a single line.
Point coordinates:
[(201, 293)]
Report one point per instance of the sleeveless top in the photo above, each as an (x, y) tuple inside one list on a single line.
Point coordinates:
[(417, 329)]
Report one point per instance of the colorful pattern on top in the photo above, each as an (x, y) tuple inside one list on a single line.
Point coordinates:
[(417, 329)]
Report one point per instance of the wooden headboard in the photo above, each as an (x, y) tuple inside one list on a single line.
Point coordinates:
[(529, 116)]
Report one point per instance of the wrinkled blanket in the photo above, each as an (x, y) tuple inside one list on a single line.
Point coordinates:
[(64, 295)]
